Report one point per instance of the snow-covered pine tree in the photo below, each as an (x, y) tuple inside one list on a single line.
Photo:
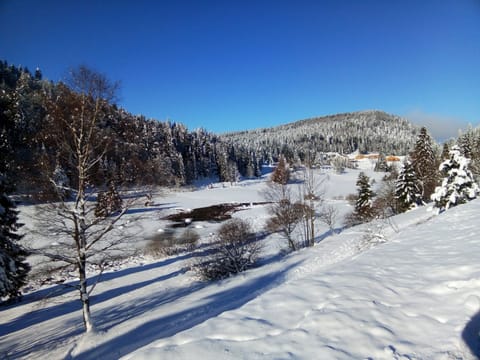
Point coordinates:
[(13, 268), (363, 206), (458, 185), (466, 143), (407, 191), (445, 152), (381, 164), (469, 144), (363, 210), (425, 164)]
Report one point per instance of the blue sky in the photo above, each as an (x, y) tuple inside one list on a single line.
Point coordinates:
[(235, 65)]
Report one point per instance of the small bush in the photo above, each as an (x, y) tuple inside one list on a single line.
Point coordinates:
[(168, 244), (235, 250), (373, 236), (188, 240)]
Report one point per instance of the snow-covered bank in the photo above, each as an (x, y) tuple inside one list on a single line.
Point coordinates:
[(410, 298)]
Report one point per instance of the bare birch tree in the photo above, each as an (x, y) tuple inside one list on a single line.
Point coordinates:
[(329, 216), (312, 194), (82, 239)]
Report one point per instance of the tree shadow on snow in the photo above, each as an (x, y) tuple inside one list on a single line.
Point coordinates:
[(75, 326), (329, 233), (64, 307), (210, 306), (471, 335)]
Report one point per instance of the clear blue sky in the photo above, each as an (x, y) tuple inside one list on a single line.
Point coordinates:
[(232, 65)]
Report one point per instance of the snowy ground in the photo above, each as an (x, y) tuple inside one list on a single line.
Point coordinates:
[(415, 295)]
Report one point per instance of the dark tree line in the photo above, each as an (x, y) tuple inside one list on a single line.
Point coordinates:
[(138, 150)]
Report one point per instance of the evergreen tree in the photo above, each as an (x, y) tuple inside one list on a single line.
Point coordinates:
[(445, 152), (13, 268), (458, 185), (38, 74), (425, 164), (407, 192), (281, 174), (108, 202), (469, 144), (381, 164), (363, 210), (365, 194), (466, 143)]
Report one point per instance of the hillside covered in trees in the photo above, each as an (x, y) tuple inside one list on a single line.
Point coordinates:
[(365, 131), (138, 151), (146, 151)]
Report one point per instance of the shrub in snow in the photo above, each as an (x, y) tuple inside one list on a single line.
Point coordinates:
[(286, 212), (329, 216), (339, 163), (235, 250), (167, 243), (13, 268), (286, 215), (458, 185), (385, 204), (373, 236)]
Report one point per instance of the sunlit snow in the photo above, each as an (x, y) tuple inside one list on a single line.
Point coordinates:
[(407, 288)]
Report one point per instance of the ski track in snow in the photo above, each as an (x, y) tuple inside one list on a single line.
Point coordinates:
[(415, 296)]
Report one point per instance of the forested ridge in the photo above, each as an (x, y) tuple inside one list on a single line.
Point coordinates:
[(147, 151), (365, 131)]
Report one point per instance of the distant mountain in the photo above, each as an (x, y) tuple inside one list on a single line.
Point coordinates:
[(365, 131)]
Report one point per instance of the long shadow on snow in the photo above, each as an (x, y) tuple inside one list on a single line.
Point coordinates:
[(471, 335), (62, 289), (329, 233), (169, 325), (47, 338), (46, 313), (22, 347)]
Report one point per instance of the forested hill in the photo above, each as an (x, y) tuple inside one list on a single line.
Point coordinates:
[(365, 131)]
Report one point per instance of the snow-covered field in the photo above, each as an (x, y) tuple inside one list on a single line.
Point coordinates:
[(413, 295)]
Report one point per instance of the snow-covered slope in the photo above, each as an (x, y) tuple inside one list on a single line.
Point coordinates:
[(415, 297), (412, 292)]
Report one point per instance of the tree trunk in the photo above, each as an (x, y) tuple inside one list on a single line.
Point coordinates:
[(84, 296), (82, 260), (291, 243), (312, 223)]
